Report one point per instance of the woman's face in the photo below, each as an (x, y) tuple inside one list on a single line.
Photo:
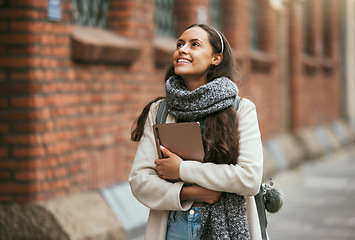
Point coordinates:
[(193, 57)]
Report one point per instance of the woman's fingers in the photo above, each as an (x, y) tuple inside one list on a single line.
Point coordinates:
[(165, 151)]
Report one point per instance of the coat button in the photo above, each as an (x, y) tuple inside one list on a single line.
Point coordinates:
[(192, 212)]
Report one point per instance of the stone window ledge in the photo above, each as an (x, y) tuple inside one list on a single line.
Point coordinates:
[(328, 65), (94, 45), (310, 64), (261, 61), (163, 50)]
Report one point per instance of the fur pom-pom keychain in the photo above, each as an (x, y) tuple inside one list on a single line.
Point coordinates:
[(273, 198)]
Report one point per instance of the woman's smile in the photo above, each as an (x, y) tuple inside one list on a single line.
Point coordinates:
[(183, 61)]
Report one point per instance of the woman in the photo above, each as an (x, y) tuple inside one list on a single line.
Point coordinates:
[(199, 87)]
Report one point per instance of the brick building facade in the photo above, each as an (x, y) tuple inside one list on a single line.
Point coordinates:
[(69, 94)]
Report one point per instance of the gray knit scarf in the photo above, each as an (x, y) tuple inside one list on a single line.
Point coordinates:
[(197, 104), (226, 219)]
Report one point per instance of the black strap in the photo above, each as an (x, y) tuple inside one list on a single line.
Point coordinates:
[(260, 205), (162, 114), (236, 103)]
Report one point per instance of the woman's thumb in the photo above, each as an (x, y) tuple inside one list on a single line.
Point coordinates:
[(165, 150)]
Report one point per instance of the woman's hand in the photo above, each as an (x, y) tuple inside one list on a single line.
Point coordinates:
[(197, 193), (168, 168)]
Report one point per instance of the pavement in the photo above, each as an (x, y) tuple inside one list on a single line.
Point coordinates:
[(319, 199)]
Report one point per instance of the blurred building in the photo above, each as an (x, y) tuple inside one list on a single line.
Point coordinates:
[(75, 74)]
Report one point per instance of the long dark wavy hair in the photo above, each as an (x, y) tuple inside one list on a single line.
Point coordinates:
[(221, 135)]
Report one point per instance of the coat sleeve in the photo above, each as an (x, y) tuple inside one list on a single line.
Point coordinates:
[(245, 177), (146, 185)]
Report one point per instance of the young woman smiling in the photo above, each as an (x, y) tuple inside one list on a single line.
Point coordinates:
[(214, 199)]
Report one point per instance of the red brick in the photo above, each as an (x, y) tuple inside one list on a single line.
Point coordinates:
[(62, 40), (61, 172), (47, 39), (29, 3), (27, 49), (2, 76), (18, 38), (28, 139), (6, 198), (25, 88), (4, 176), (62, 29), (3, 128), (34, 175), (74, 169), (8, 164), (26, 26), (2, 52), (3, 26), (32, 127), (61, 52), (20, 62), (12, 188), (13, 62), (3, 102), (38, 114), (59, 148), (31, 101), (29, 75), (29, 151), (3, 152), (21, 13)]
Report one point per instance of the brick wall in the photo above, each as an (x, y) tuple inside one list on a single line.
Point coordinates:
[(315, 79), (65, 124)]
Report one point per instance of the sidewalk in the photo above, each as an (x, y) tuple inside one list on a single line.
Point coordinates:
[(319, 199)]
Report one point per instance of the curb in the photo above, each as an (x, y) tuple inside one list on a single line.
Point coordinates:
[(86, 216)]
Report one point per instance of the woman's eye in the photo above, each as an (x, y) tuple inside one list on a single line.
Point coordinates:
[(195, 44), (178, 45)]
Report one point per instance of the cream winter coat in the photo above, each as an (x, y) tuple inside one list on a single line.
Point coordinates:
[(161, 196)]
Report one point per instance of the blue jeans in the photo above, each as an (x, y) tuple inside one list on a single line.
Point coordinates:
[(184, 225)]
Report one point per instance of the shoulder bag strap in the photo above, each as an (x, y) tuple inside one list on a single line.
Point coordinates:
[(259, 197), (162, 113), (260, 205), (236, 103)]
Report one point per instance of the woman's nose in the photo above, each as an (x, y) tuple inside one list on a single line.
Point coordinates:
[(183, 49)]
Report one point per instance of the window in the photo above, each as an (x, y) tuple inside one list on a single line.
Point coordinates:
[(308, 46), (254, 24), (326, 32), (164, 18), (91, 42), (216, 13), (91, 13)]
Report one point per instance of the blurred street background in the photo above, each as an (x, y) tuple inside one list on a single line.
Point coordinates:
[(318, 200), (75, 74)]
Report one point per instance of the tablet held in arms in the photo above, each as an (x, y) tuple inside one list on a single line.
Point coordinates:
[(183, 139)]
